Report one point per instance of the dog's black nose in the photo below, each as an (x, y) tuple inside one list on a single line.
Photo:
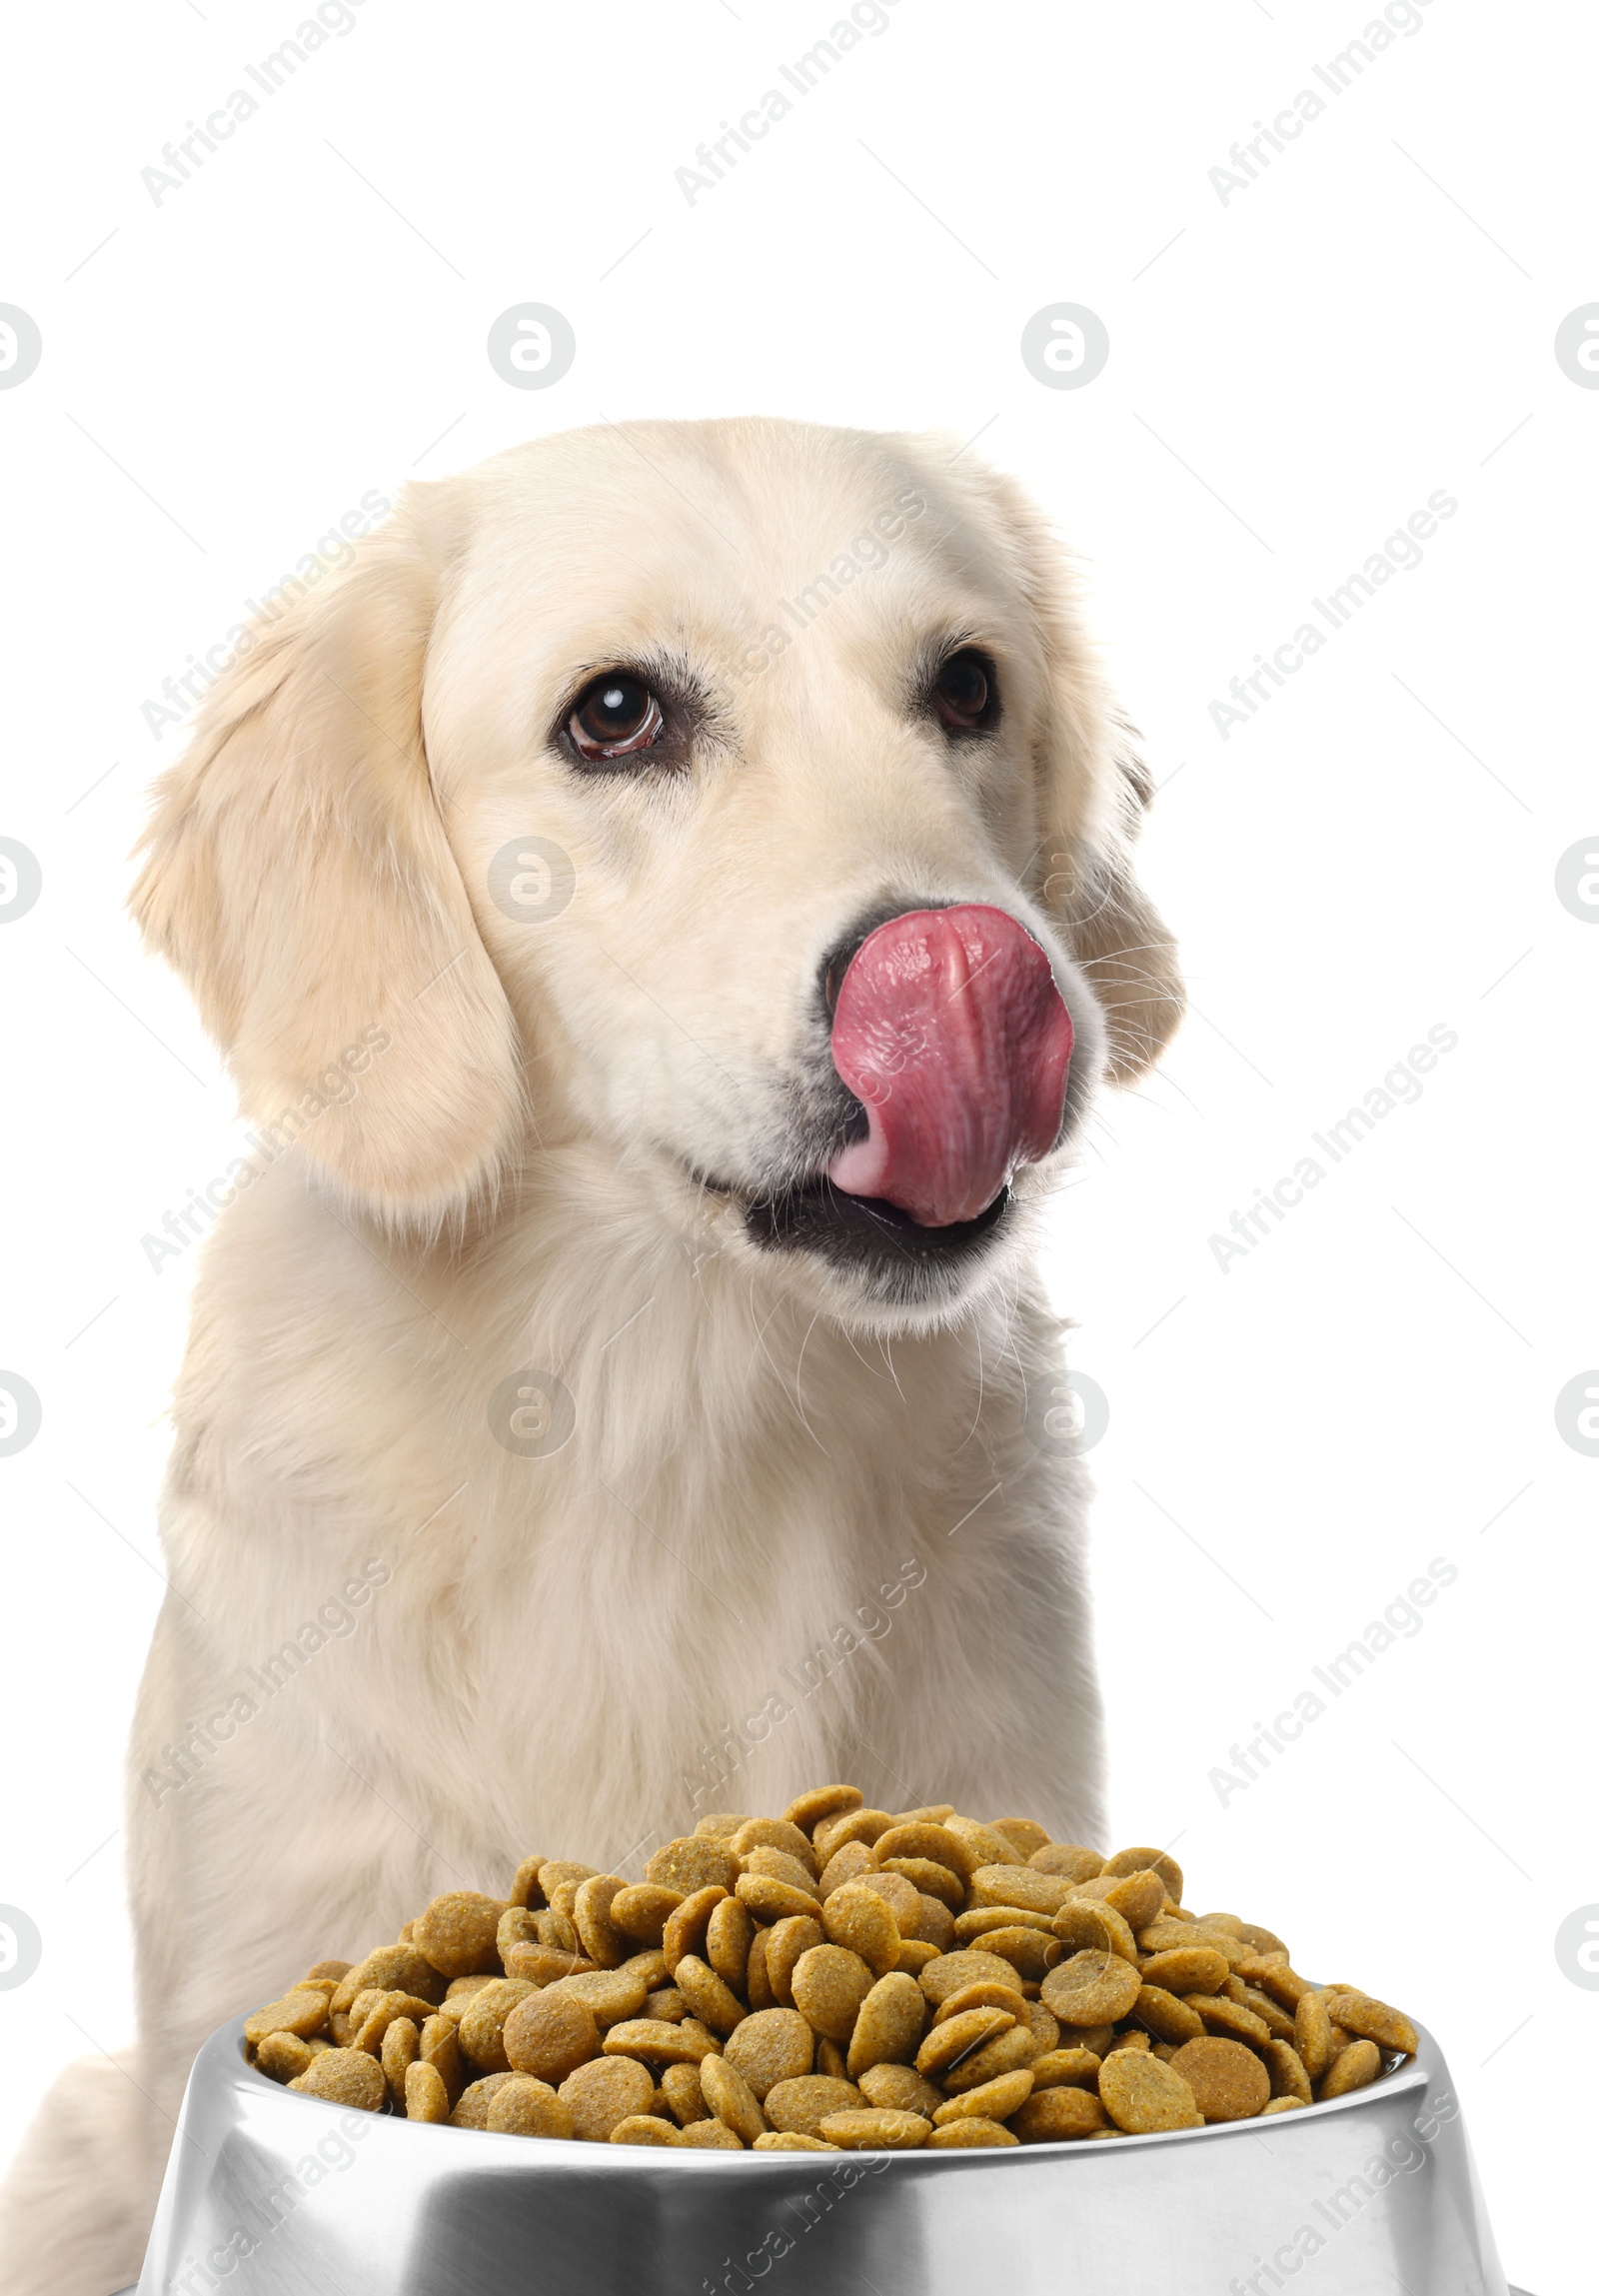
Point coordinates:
[(835, 966)]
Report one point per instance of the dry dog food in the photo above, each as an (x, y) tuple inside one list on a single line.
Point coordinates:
[(839, 1978)]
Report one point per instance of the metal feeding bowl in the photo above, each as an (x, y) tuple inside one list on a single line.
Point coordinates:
[(273, 2194)]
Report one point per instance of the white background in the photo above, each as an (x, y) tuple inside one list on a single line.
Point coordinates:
[(1292, 373)]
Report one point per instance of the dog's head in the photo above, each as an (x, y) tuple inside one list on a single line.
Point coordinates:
[(741, 797)]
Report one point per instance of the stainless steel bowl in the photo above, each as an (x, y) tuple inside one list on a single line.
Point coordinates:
[(273, 2194)]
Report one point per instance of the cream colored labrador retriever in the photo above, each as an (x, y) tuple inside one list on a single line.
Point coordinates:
[(667, 906)]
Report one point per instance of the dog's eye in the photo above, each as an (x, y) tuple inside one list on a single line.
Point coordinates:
[(967, 692), (616, 715)]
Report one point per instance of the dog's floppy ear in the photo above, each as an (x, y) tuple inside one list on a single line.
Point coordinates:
[(300, 879), (1095, 790), (1092, 790)]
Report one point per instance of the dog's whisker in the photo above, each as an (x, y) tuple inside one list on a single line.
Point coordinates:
[(848, 1339), (798, 1386), (976, 1339)]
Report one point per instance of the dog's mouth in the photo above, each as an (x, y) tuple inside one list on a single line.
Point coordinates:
[(949, 1048), (952, 1038), (869, 1238), (876, 1247)]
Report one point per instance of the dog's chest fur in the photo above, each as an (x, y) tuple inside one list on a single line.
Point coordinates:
[(766, 1553)]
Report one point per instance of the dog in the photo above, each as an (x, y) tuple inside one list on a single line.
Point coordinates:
[(667, 904)]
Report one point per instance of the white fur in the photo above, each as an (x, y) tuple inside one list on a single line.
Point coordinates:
[(551, 1650)]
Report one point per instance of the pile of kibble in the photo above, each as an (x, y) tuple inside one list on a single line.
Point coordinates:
[(839, 1978)]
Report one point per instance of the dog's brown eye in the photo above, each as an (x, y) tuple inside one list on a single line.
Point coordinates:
[(615, 717), (967, 692)]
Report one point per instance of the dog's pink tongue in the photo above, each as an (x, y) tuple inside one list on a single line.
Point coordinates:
[(950, 1029)]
